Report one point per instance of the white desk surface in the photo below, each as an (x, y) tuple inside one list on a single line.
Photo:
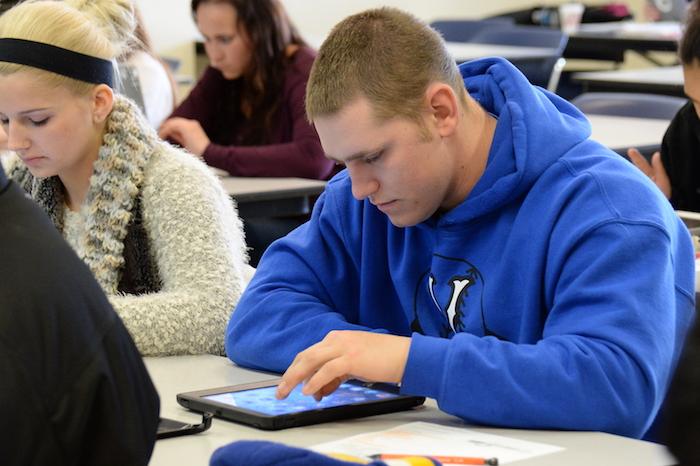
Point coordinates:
[(618, 132), (664, 75), (186, 373), (465, 51), (245, 186)]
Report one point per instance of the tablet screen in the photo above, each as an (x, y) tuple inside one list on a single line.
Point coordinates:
[(263, 399)]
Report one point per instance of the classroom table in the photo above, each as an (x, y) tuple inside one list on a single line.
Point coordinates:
[(465, 51), (620, 133), (610, 40), (658, 80), (186, 373), (272, 197)]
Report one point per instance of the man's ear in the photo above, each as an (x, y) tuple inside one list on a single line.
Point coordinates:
[(102, 102), (444, 108)]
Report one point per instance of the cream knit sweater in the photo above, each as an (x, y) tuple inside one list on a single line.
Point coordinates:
[(195, 236)]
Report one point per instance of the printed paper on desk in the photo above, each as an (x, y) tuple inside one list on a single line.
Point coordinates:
[(424, 438)]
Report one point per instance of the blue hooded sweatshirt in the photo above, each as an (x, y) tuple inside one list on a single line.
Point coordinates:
[(557, 295)]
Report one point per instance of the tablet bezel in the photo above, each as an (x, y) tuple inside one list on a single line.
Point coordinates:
[(195, 401)]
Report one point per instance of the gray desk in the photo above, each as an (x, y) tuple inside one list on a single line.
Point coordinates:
[(465, 51), (272, 197), (660, 80), (621, 133), (609, 41), (179, 374)]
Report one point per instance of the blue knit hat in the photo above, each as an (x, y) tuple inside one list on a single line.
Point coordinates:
[(263, 453)]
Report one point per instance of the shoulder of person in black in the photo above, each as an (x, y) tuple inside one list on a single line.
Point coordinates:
[(682, 426), (74, 388), (680, 153)]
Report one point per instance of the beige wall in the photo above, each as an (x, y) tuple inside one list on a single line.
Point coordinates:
[(170, 24)]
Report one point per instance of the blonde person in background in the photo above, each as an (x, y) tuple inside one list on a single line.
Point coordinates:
[(155, 79), (151, 222)]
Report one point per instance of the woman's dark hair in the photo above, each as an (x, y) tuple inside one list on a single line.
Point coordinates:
[(270, 33), (689, 47)]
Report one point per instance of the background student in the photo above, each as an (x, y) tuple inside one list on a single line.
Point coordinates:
[(74, 390), (479, 248), (156, 82), (154, 77), (246, 113), (152, 223), (676, 168)]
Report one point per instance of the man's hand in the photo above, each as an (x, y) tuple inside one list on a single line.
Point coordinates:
[(346, 354), (654, 170), (188, 133)]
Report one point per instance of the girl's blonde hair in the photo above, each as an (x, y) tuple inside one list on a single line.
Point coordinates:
[(99, 28)]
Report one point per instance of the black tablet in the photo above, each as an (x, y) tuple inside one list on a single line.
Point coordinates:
[(255, 404)]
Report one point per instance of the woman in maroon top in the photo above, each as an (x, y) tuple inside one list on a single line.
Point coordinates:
[(246, 114)]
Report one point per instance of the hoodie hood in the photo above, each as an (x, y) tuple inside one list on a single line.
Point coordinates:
[(535, 128)]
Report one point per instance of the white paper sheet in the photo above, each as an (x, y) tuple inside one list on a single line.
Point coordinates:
[(426, 439)]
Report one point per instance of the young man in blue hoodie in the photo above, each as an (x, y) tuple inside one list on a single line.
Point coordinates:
[(479, 248)]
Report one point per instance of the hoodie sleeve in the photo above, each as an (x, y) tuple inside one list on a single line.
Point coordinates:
[(606, 352), (302, 289)]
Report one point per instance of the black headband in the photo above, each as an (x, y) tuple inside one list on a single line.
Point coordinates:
[(58, 60)]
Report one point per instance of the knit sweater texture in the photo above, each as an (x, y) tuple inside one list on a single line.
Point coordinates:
[(193, 236)]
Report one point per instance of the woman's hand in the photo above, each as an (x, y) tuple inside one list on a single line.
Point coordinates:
[(654, 170), (187, 133)]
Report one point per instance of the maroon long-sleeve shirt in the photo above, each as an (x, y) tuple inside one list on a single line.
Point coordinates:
[(293, 148)]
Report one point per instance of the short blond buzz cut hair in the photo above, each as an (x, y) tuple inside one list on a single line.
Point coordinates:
[(385, 55)]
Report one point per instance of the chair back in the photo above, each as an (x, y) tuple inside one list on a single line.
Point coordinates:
[(542, 71), (629, 104)]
